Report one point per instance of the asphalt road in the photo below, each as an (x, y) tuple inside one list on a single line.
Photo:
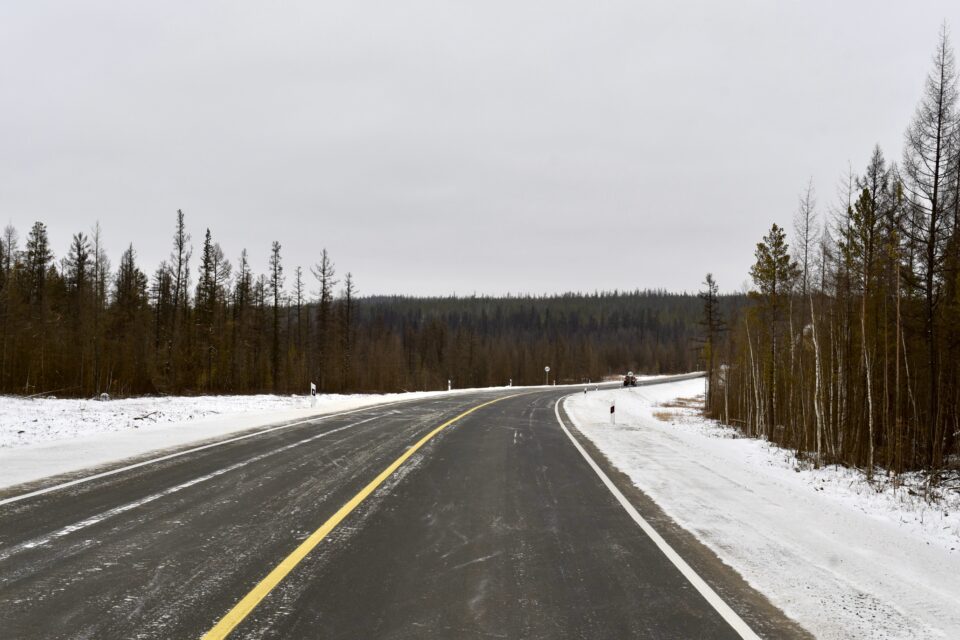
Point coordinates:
[(497, 527)]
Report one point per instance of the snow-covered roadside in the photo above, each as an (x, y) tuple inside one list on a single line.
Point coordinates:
[(842, 558), (47, 437), (43, 437), (28, 421)]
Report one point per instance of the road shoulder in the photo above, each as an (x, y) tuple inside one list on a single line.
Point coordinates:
[(756, 610)]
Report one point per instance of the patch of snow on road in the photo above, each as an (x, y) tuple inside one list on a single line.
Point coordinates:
[(844, 558)]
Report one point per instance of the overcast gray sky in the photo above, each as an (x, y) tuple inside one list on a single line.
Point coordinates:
[(440, 147)]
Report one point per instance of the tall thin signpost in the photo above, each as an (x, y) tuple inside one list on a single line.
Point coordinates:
[(546, 373)]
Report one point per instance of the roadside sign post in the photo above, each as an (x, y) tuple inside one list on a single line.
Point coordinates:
[(313, 395), (546, 371), (449, 385)]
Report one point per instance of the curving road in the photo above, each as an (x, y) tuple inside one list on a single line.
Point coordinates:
[(496, 526)]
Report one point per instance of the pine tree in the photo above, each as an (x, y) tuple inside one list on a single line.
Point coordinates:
[(77, 273), (8, 249), (205, 306), (242, 301), (180, 280), (773, 274), (100, 281), (346, 330), (276, 293), (37, 260), (129, 332), (161, 295), (324, 272), (299, 357), (713, 324)]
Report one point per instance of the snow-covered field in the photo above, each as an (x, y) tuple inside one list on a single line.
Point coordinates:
[(43, 437), (843, 558)]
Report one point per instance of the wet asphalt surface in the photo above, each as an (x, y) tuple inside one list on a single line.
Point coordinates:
[(497, 528)]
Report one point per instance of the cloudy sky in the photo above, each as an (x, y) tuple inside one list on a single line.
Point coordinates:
[(440, 147)]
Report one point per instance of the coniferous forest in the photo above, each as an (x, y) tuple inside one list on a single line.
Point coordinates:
[(850, 349), (201, 323)]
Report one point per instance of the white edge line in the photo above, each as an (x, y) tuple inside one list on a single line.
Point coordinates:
[(143, 463), (698, 583)]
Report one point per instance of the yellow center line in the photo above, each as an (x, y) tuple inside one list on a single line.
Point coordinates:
[(243, 608)]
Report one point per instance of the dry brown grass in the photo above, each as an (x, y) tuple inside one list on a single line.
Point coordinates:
[(683, 403), (665, 416)]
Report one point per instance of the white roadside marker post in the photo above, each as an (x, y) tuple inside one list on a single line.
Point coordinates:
[(449, 385), (313, 395), (613, 412)]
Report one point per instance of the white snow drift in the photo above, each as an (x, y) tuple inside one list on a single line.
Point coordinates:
[(843, 558)]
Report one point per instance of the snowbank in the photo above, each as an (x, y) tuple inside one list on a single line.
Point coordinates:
[(843, 558), (44, 437), (26, 421)]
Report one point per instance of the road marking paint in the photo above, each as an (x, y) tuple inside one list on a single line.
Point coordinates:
[(100, 517), (242, 609), (104, 474), (721, 607)]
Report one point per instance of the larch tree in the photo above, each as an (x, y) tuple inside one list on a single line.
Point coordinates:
[(806, 228), (926, 171)]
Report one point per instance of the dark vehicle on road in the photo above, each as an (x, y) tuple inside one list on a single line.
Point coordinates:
[(629, 380)]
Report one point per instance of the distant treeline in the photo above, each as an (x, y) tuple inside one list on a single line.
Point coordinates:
[(851, 350), (77, 327)]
